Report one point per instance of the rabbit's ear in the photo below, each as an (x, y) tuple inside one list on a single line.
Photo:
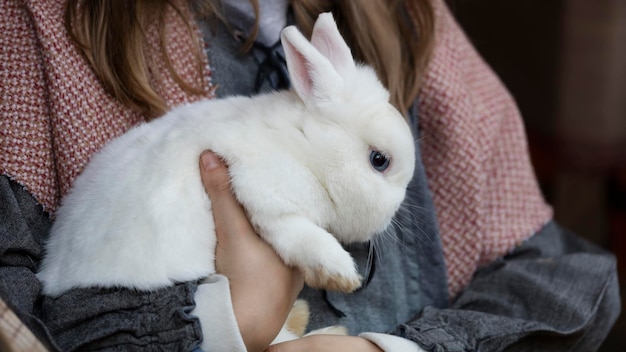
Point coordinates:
[(312, 75), (327, 39)]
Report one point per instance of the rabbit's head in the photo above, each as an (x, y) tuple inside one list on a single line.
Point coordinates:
[(360, 147)]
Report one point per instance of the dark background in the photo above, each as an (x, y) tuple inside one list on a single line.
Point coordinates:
[(564, 61)]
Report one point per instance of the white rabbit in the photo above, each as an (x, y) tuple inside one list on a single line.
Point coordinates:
[(325, 163)]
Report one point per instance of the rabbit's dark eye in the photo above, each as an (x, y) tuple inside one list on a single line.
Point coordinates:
[(379, 161)]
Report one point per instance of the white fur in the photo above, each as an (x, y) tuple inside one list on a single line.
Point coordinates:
[(138, 215)]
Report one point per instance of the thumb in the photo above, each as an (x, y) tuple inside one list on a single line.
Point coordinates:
[(214, 175), (229, 217)]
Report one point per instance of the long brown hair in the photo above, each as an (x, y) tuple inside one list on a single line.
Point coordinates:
[(393, 36)]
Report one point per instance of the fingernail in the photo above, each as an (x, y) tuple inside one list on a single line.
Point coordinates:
[(209, 161)]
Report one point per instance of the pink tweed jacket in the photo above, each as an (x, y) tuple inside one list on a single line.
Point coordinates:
[(54, 114)]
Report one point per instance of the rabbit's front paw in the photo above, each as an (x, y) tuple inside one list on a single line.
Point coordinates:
[(334, 275), (310, 248)]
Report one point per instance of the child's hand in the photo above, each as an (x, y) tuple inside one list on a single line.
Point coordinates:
[(326, 343), (263, 288)]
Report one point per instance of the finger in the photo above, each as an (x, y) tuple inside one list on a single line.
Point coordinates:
[(325, 343), (301, 344), (214, 175), (230, 218)]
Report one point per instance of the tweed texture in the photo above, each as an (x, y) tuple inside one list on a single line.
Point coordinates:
[(54, 114), (476, 157)]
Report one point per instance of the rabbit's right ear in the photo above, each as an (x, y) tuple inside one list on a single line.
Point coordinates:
[(312, 75)]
